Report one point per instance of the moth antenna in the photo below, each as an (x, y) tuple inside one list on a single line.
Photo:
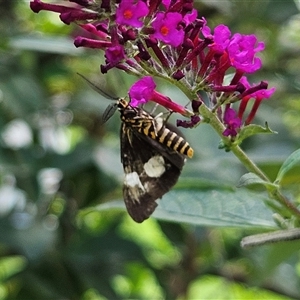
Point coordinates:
[(95, 87), (109, 111)]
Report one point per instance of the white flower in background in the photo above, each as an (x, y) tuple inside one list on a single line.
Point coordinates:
[(53, 137), (17, 134), (10, 196), (49, 179)]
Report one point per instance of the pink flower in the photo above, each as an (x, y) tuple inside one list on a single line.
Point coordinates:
[(130, 12), (232, 122), (242, 50), (221, 38), (141, 91), (190, 17), (114, 54), (166, 28), (144, 90), (257, 92)]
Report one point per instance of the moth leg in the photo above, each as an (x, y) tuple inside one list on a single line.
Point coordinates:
[(129, 136), (154, 109)]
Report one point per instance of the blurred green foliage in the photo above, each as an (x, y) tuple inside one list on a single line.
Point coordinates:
[(62, 236)]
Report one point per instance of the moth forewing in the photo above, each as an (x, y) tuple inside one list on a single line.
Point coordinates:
[(150, 172), (152, 154)]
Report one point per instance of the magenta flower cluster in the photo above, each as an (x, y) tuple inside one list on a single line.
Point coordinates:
[(165, 38)]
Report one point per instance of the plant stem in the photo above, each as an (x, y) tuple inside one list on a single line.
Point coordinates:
[(285, 202), (248, 163), (244, 159)]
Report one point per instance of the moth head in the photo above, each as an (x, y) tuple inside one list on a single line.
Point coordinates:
[(120, 105)]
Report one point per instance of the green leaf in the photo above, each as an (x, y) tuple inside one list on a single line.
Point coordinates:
[(49, 44), (251, 178), (252, 129), (201, 184), (240, 208), (288, 164), (11, 265), (218, 288)]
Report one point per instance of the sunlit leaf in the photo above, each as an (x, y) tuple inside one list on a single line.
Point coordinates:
[(218, 288)]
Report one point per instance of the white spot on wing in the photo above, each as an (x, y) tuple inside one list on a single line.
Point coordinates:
[(134, 186), (132, 180), (155, 166)]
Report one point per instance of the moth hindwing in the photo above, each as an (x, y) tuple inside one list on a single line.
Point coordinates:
[(152, 156)]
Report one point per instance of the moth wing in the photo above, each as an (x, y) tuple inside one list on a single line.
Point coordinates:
[(151, 170)]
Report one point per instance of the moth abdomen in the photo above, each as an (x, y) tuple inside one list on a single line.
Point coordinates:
[(160, 133), (174, 141)]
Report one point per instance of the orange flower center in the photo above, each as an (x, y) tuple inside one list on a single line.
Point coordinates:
[(128, 14), (164, 30)]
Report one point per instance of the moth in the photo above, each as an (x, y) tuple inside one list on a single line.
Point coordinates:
[(152, 154)]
